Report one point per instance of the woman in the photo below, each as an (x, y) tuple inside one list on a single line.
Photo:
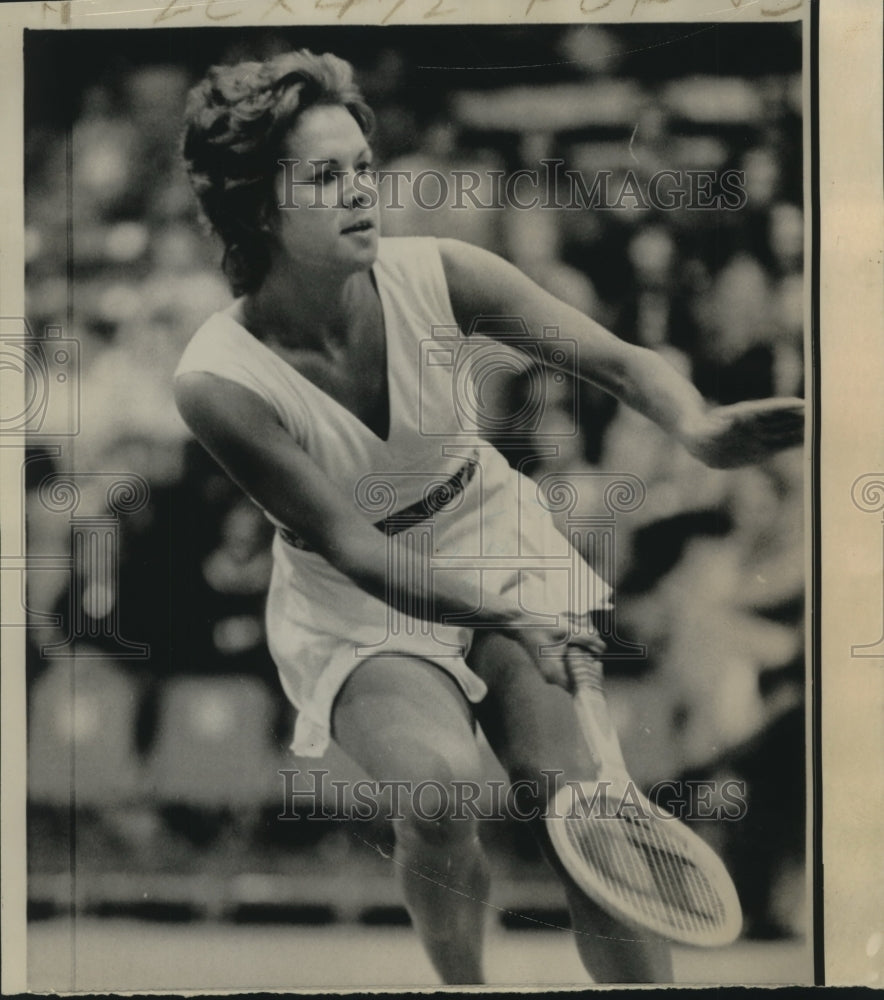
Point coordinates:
[(312, 383)]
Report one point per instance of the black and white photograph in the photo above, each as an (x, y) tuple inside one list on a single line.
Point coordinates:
[(416, 571)]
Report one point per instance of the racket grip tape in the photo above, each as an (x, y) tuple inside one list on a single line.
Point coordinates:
[(587, 678), (586, 673)]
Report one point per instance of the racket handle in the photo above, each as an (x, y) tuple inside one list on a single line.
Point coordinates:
[(587, 676)]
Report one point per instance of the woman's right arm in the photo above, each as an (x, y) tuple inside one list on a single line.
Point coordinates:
[(243, 434)]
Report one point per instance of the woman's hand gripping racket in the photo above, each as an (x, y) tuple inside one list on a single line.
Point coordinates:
[(629, 856)]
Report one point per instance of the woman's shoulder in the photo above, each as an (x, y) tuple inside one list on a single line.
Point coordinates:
[(223, 349), (400, 249), (451, 257), (412, 271), (219, 337), (413, 260)]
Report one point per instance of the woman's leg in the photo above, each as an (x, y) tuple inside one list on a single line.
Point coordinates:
[(405, 720), (531, 726)]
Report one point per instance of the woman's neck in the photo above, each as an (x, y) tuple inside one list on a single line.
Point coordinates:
[(309, 310)]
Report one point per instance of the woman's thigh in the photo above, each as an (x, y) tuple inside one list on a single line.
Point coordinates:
[(530, 724), (404, 719)]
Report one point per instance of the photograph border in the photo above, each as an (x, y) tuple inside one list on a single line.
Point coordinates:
[(831, 595)]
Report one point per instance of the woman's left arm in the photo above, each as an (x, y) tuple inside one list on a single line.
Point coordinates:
[(483, 284)]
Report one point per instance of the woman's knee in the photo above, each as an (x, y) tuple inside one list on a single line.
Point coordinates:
[(434, 803)]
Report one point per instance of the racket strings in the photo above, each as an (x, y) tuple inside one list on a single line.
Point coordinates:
[(643, 868), (683, 878), (636, 860)]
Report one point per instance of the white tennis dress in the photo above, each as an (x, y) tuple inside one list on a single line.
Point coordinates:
[(471, 514)]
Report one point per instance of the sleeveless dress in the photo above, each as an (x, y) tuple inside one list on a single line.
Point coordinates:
[(469, 513)]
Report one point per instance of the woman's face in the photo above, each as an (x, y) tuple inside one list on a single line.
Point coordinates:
[(327, 214)]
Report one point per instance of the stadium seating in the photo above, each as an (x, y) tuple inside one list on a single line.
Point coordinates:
[(213, 746), (81, 735)]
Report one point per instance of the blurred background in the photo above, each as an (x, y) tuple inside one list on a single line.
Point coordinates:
[(153, 785)]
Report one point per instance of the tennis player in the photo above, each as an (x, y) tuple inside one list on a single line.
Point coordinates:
[(309, 383)]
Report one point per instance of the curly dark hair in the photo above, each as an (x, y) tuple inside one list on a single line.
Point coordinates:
[(237, 119)]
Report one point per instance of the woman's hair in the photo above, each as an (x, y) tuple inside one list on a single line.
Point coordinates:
[(237, 120)]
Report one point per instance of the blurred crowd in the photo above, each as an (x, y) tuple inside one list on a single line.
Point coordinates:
[(708, 570)]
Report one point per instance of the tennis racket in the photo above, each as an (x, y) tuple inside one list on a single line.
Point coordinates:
[(636, 861)]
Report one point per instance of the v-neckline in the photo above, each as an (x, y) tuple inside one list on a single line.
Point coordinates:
[(388, 393)]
